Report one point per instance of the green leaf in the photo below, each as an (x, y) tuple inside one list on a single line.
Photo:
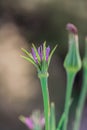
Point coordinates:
[(51, 54)]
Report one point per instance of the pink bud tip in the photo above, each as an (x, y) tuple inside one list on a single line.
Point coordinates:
[(72, 28)]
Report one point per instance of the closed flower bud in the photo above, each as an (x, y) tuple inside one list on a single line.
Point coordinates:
[(72, 61)]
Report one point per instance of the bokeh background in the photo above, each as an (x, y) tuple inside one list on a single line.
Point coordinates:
[(23, 22)]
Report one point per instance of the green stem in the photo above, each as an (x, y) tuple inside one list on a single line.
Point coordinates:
[(81, 102), (45, 92), (52, 117), (61, 122), (70, 80)]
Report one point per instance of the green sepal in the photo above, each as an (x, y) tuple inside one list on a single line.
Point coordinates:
[(52, 52)]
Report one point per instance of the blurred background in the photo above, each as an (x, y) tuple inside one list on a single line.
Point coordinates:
[(23, 22)]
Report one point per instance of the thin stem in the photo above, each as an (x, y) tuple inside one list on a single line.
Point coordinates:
[(52, 117), (81, 102), (45, 92), (61, 122), (70, 80)]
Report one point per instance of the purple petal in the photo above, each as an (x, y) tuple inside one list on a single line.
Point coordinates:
[(34, 55), (29, 123), (40, 52), (47, 52)]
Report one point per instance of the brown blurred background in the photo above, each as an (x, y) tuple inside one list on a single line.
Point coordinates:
[(21, 23)]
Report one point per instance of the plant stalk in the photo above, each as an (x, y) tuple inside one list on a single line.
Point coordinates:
[(81, 101), (45, 92), (70, 80)]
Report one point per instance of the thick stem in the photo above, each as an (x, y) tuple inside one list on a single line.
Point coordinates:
[(81, 102), (45, 92), (70, 80)]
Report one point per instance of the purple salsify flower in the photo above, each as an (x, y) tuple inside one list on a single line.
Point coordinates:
[(40, 52), (47, 53), (40, 57), (70, 27), (34, 55), (29, 123)]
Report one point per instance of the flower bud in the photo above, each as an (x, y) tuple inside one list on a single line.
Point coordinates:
[(72, 61)]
